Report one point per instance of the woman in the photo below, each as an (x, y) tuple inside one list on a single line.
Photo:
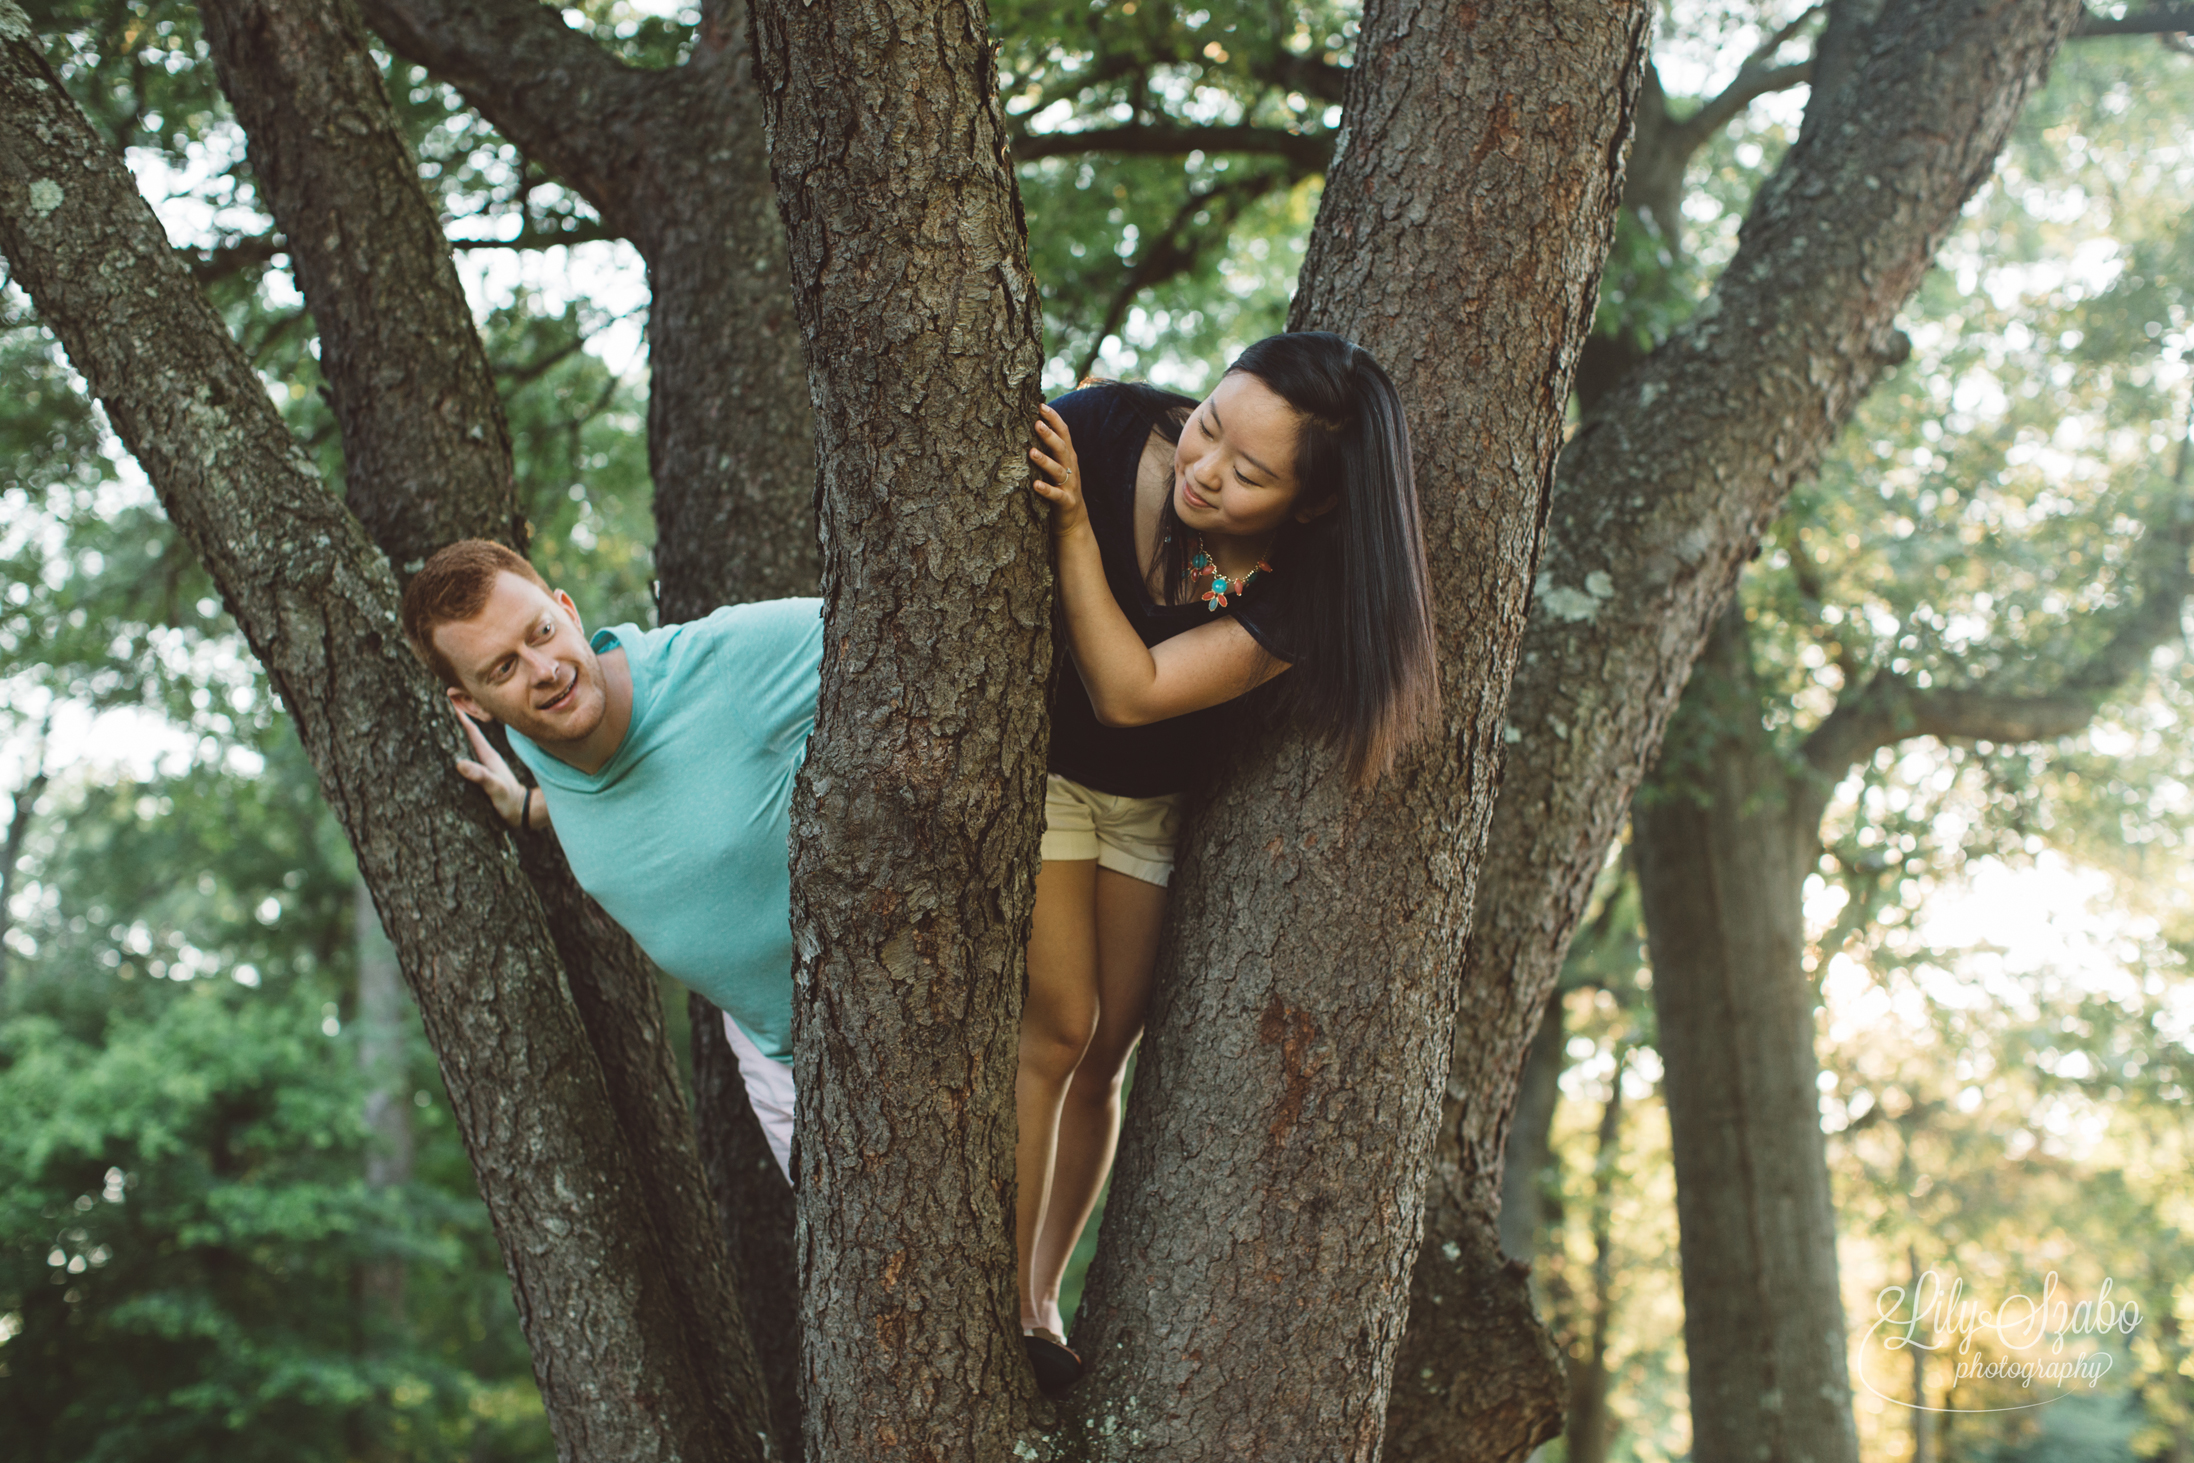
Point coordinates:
[(1204, 548)]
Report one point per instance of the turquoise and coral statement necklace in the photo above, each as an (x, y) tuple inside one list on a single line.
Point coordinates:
[(1203, 570)]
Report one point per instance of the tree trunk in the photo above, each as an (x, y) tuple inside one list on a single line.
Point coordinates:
[(600, 1274), (1530, 1136), (1590, 1426), (1735, 832), (1658, 501), (1923, 1450), (916, 818), (380, 1022), (1723, 844), (754, 1207), (1248, 1291), (23, 810)]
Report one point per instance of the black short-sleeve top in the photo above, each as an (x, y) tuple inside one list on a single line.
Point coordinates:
[(1110, 426)]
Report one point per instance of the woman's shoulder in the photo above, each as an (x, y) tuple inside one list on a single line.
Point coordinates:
[(1269, 613), (1127, 410)]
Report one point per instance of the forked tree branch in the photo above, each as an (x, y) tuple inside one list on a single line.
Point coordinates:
[(1892, 707), (565, 101)]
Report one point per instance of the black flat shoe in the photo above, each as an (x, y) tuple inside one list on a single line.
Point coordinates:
[(1054, 1362)]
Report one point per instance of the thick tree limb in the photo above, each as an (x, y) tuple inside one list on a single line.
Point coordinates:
[(407, 370), (316, 601), (1659, 501), (1838, 56), (916, 815), (1249, 1280), (755, 1212), (1722, 850), (565, 101)]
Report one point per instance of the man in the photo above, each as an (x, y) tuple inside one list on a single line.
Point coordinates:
[(665, 760)]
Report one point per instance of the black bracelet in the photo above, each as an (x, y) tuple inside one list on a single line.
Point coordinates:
[(525, 810)]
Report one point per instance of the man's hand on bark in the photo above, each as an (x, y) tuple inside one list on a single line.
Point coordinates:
[(493, 776)]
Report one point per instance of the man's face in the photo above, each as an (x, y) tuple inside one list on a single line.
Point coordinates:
[(524, 661)]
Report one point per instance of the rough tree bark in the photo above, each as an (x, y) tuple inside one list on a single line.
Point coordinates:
[(1250, 1282), (915, 824), (600, 1276), (1658, 500), (755, 1214), (1725, 833)]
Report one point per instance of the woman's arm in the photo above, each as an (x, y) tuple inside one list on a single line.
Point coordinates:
[(1130, 683)]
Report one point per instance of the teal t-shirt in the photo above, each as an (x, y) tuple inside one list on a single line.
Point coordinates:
[(683, 835)]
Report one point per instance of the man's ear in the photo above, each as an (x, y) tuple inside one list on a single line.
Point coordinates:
[(563, 602), (1305, 515), (464, 703)]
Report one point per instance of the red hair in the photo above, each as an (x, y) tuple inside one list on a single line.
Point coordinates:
[(454, 586)]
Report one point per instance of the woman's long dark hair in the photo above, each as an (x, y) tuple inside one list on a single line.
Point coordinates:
[(1359, 594)]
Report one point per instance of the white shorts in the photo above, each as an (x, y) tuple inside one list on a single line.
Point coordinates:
[(769, 1089), (1131, 836)]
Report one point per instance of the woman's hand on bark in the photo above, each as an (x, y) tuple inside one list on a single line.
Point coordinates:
[(1054, 456)]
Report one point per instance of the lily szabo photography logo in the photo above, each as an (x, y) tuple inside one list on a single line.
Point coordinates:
[(2023, 1351)]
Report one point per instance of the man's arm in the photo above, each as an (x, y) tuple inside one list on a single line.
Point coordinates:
[(494, 777)]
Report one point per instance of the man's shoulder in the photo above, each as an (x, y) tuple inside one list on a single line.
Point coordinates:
[(735, 649), (765, 628)]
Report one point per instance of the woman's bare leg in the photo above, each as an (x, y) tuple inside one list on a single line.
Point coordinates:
[(1129, 913), (1056, 1023)]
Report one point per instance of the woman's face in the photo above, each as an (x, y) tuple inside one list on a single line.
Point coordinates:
[(1234, 471)]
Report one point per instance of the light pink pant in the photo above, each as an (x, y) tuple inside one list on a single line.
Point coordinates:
[(769, 1088)]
